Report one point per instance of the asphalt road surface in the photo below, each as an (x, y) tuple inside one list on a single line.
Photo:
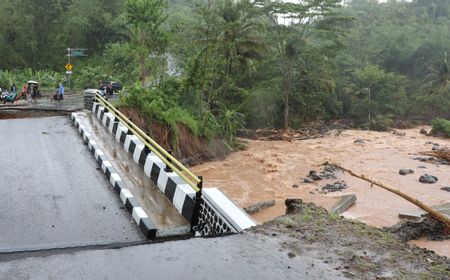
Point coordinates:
[(247, 256), (51, 193)]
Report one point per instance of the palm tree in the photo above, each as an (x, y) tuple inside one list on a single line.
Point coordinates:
[(237, 38), (438, 78), (438, 81)]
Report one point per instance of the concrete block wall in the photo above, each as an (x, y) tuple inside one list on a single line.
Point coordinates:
[(218, 214)]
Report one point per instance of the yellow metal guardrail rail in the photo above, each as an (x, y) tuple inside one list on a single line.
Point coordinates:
[(189, 177)]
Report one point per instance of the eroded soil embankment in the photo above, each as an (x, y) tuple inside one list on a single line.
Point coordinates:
[(187, 147), (276, 170), (357, 250)]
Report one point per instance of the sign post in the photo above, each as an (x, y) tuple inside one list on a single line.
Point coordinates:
[(73, 53), (68, 63)]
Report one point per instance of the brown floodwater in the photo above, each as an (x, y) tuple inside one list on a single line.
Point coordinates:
[(268, 170)]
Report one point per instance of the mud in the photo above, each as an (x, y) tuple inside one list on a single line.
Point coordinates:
[(357, 250), (427, 227)]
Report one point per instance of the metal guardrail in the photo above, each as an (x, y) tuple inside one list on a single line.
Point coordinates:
[(189, 177)]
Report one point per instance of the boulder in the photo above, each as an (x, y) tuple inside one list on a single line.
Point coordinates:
[(428, 179), (423, 131), (405, 171), (313, 175)]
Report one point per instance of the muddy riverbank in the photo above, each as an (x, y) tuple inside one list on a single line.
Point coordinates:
[(269, 170)]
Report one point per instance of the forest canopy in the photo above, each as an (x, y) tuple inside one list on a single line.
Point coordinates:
[(217, 64)]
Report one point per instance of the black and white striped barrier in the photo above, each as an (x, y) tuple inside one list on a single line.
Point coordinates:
[(218, 214), (130, 202)]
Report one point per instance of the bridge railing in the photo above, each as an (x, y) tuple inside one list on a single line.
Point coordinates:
[(190, 178)]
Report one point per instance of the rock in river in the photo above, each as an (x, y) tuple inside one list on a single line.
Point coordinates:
[(428, 179), (405, 171), (313, 175)]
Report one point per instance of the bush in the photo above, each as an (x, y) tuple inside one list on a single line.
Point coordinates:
[(155, 104), (441, 126), (381, 122)]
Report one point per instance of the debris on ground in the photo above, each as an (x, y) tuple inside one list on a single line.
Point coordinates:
[(310, 131), (334, 187), (418, 214), (413, 230), (398, 133), (328, 172), (446, 189), (358, 250), (428, 179), (359, 141), (425, 159), (440, 154), (405, 171), (423, 131), (258, 207), (344, 204)]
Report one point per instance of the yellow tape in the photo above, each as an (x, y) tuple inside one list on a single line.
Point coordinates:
[(167, 158)]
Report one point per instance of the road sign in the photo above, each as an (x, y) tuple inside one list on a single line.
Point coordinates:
[(77, 52), (69, 67), (69, 72)]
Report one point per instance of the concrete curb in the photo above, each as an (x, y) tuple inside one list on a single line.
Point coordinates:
[(130, 202)]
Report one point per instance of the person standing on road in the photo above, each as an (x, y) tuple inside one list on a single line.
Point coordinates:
[(61, 91)]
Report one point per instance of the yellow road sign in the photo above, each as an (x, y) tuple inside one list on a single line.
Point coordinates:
[(69, 67)]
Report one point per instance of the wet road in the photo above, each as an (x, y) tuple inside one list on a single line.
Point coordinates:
[(51, 193), (246, 256), (72, 101), (156, 205)]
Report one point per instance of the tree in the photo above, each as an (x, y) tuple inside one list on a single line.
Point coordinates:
[(145, 18), (234, 36), (292, 27), (437, 83), (375, 92)]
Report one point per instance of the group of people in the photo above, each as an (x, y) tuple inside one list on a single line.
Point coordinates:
[(29, 91)]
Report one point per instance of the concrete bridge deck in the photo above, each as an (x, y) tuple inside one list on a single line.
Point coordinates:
[(160, 210), (52, 193)]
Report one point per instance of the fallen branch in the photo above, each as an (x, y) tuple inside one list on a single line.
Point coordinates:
[(434, 214), (443, 153)]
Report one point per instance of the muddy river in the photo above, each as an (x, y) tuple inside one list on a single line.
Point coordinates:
[(270, 170)]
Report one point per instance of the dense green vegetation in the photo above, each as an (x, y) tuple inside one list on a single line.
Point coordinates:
[(214, 65), (441, 126)]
